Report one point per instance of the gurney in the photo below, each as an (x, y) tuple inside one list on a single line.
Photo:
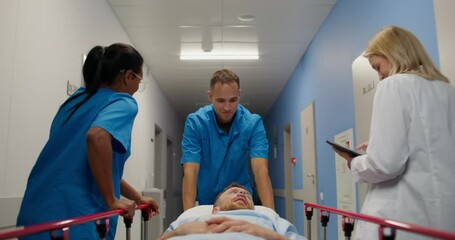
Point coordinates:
[(258, 223), (60, 229)]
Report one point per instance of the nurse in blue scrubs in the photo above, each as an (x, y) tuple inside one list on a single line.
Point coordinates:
[(79, 170), (219, 143)]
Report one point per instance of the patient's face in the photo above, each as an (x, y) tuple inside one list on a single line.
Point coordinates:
[(235, 198)]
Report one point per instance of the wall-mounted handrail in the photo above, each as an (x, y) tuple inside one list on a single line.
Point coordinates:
[(387, 222), (58, 225)]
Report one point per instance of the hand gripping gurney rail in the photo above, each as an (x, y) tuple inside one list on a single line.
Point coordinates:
[(100, 219)]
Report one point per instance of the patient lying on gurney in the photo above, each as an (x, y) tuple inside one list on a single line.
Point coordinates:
[(233, 216)]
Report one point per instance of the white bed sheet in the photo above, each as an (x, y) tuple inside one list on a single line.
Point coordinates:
[(204, 210), (262, 216)]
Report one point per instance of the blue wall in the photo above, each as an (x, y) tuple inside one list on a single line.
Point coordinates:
[(324, 76)]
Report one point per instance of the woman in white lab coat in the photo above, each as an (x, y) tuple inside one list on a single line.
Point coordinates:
[(410, 160)]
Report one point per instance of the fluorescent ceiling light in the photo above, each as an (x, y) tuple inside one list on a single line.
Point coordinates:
[(218, 57)]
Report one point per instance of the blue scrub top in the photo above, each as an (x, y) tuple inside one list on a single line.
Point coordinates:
[(223, 157), (61, 184)]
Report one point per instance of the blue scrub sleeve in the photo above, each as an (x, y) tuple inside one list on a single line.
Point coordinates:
[(259, 145), (117, 118), (191, 142)]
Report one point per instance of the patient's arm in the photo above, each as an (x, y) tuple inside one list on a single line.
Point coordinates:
[(187, 228), (224, 224)]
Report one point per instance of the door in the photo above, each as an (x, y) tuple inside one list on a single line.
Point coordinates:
[(365, 80), (346, 188), (309, 164), (158, 171), (172, 194), (288, 176)]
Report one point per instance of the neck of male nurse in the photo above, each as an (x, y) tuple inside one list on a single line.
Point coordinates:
[(225, 126)]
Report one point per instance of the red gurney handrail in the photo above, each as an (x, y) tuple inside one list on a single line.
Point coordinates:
[(50, 226), (388, 223)]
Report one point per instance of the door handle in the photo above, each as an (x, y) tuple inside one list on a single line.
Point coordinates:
[(312, 176)]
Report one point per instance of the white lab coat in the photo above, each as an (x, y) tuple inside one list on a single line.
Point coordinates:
[(410, 160)]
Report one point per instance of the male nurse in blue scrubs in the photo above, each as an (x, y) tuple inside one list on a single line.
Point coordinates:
[(219, 141)]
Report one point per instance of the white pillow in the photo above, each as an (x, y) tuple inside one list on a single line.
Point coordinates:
[(204, 210)]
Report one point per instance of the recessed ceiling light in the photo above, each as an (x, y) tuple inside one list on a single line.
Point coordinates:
[(246, 17), (218, 57)]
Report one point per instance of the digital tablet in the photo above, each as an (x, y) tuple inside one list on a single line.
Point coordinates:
[(344, 149)]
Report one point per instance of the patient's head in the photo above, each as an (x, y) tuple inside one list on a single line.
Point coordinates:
[(233, 197)]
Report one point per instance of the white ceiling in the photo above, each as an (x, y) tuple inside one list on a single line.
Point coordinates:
[(280, 32)]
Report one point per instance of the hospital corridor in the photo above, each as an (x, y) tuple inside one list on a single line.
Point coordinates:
[(227, 119)]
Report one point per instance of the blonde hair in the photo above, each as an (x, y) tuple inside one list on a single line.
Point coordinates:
[(404, 52)]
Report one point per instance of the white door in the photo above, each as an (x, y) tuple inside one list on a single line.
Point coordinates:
[(365, 80), (346, 190), (309, 165), (288, 174)]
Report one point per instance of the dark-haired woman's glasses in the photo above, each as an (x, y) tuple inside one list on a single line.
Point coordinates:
[(137, 75), (142, 83)]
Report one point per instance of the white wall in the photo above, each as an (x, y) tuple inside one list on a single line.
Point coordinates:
[(446, 36), (41, 47)]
